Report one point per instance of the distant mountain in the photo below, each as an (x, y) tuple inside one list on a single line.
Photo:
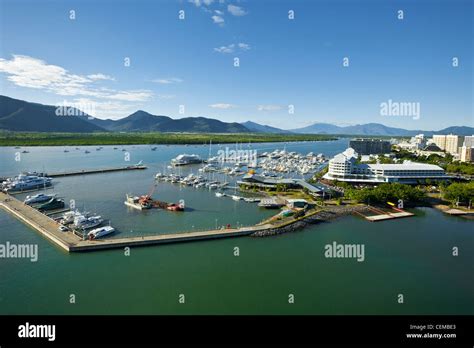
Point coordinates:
[(459, 130), (19, 115), (377, 129), (139, 121), (259, 128)]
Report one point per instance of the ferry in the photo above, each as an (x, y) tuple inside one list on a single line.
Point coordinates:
[(100, 232), (39, 198), (186, 159)]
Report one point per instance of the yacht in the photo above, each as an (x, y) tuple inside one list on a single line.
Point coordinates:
[(39, 198), (185, 159), (26, 182), (100, 232), (84, 223), (52, 204), (220, 194), (69, 216)]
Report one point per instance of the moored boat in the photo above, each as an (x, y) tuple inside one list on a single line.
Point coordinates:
[(100, 232)]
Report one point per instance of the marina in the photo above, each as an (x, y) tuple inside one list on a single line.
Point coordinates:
[(162, 269), (69, 241)]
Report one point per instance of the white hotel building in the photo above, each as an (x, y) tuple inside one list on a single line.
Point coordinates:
[(344, 167)]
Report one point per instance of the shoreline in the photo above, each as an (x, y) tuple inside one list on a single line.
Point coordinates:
[(110, 139)]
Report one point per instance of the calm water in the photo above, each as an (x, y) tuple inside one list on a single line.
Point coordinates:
[(409, 256)]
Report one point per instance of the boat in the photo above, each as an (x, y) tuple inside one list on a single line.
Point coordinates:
[(39, 198), (142, 202), (87, 222), (220, 194), (100, 232), (175, 207), (24, 151), (68, 217), (87, 151), (52, 204), (236, 198), (153, 148), (66, 150), (252, 200), (186, 159), (25, 182)]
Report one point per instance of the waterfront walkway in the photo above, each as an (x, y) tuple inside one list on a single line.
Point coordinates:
[(68, 241)]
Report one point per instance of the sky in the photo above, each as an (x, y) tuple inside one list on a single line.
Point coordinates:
[(111, 58)]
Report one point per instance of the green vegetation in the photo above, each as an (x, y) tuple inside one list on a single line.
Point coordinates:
[(76, 139), (459, 192), (386, 193), (461, 168)]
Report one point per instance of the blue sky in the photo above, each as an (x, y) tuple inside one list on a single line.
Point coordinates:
[(47, 57)]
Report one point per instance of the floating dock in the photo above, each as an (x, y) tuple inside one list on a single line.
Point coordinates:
[(71, 242), (384, 215)]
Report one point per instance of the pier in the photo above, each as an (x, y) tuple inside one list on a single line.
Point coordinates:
[(91, 171), (71, 242), (96, 171)]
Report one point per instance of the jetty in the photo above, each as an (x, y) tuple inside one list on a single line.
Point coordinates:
[(382, 215), (70, 242), (96, 171), (90, 171)]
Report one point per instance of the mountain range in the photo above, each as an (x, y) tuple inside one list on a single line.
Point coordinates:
[(377, 129), (19, 115)]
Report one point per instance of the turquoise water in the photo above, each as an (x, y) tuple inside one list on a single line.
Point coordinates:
[(411, 256)]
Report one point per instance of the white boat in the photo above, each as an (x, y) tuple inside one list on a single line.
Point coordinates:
[(39, 198), (252, 200), (84, 223), (220, 194), (26, 182), (236, 198), (68, 217), (186, 159), (100, 232)]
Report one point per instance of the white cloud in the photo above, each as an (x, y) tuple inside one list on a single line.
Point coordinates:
[(25, 71), (242, 47), (269, 107), (166, 96), (100, 77), (168, 81), (223, 106), (198, 3), (29, 72), (225, 49), (218, 20), (220, 13), (236, 10)]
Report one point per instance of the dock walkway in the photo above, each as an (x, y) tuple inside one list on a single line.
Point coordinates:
[(69, 242)]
